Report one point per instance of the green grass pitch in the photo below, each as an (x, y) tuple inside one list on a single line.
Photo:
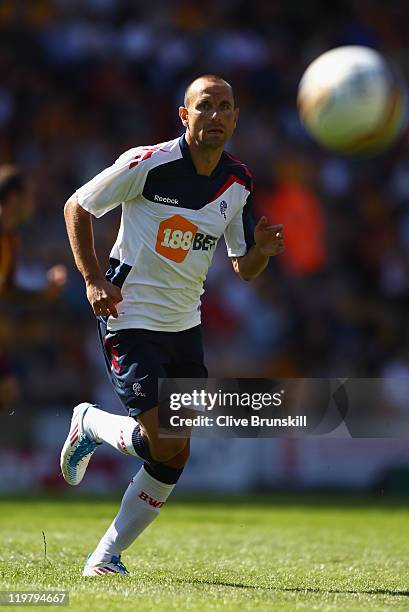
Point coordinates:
[(277, 552)]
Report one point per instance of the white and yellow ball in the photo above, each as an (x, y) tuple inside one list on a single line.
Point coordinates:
[(351, 101)]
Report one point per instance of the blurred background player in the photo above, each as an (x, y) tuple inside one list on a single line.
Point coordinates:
[(178, 199), (16, 206)]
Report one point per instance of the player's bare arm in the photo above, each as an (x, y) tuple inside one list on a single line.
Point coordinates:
[(102, 295), (269, 241)]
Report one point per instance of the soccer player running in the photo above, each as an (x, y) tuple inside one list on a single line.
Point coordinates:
[(178, 198)]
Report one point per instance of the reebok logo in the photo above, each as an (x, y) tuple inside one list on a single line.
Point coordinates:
[(149, 500), (159, 198)]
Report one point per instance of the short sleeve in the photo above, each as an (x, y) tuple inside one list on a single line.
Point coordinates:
[(239, 234), (120, 182)]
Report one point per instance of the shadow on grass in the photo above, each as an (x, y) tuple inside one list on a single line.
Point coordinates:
[(307, 499), (351, 591), (335, 499), (240, 585)]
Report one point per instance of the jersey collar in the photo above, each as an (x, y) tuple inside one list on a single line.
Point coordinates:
[(184, 147)]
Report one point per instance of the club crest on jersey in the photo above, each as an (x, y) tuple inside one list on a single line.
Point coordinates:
[(223, 208)]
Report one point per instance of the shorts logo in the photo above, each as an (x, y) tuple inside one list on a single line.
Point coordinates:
[(137, 387), (223, 208), (177, 236)]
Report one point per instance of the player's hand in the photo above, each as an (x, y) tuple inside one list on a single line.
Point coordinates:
[(269, 238), (103, 297), (57, 278)]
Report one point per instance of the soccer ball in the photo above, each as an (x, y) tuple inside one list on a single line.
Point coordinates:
[(352, 101)]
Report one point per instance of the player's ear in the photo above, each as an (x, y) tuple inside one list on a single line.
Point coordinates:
[(183, 114), (236, 114)]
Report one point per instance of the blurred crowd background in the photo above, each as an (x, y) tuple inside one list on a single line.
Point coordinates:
[(83, 80)]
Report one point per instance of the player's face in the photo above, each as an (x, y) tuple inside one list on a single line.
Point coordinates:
[(210, 116)]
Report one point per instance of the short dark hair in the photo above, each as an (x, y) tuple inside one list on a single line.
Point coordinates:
[(210, 77), (11, 179)]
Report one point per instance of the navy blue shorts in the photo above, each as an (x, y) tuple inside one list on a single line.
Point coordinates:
[(136, 358)]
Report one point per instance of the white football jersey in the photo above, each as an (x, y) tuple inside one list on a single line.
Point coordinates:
[(172, 219)]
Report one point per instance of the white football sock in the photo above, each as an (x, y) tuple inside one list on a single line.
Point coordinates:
[(140, 505), (117, 430)]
